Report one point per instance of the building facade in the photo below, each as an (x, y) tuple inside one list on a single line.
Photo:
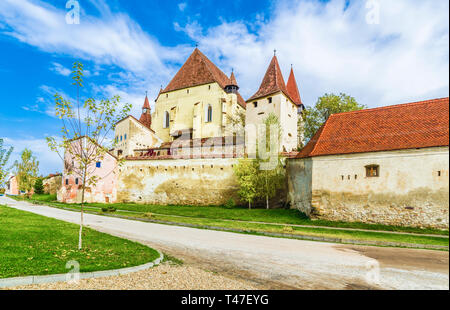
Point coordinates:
[(386, 165)]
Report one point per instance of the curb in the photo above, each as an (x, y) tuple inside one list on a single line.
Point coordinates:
[(19, 281)]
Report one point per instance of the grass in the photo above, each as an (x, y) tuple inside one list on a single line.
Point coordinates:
[(31, 244), (278, 216), (258, 228)]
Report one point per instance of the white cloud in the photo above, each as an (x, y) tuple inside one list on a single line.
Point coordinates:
[(49, 161), (333, 49), (182, 6), (60, 69)]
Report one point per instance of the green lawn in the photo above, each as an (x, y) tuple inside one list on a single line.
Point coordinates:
[(258, 228), (31, 244)]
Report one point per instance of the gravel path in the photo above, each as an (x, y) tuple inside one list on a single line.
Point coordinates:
[(276, 262), (164, 277)]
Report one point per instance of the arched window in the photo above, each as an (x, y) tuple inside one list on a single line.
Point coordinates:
[(166, 119), (208, 112)]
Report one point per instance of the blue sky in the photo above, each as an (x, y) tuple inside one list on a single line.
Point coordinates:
[(131, 46)]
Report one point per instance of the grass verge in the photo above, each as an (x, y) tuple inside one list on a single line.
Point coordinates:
[(256, 228), (31, 244), (276, 216)]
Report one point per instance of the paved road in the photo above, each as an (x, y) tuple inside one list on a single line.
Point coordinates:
[(275, 262)]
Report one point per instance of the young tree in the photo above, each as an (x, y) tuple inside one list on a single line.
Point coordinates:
[(86, 128), (271, 170), (247, 177), (26, 170), (5, 153), (315, 117), (39, 186)]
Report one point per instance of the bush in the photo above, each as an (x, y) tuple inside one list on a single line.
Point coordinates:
[(39, 187), (109, 209), (230, 204), (2, 191)]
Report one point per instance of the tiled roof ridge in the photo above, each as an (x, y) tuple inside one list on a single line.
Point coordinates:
[(395, 106)]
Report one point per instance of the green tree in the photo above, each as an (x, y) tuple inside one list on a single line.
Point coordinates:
[(271, 173), (39, 186), (26, 170), (86, 127), (260, 178), (247, 177), (5, 153), (315, 117)]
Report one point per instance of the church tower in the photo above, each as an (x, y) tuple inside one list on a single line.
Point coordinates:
[(273, 97), (146, 117)]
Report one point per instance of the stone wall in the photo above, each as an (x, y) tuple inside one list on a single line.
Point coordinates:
[(412, 188), (180, 181), (52, 184)]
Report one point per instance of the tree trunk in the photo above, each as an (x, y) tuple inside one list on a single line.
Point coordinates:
[(249, 205), (267, 196), (80, 235)]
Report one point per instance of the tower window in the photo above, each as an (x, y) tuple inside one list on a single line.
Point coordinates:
[(270, 99), (372, 171), (166, 120), (255, 104)]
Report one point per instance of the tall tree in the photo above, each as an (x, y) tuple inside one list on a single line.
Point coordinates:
[(5, 153), (315, 117), (86, 128), (27, 170), (247, 177)]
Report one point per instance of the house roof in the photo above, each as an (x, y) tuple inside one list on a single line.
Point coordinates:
[(292, 89), (199, 70), (405, 126), (272, 82)]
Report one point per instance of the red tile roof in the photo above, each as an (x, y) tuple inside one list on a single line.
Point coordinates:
[(405, 126), (272, 83), (233, 80), (199, 70), (292, 89)]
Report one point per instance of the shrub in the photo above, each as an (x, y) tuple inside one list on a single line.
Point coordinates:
[(2, 191), (230, 204), (39, 187), (148, 215), (108, 209)]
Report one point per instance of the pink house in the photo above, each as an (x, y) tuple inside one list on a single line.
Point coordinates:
[(103, 169), (13, 187)]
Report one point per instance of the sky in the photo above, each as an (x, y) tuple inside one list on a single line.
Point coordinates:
[(381, 52)]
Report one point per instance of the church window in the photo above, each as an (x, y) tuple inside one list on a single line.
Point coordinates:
[(372, 171), (270, 99), (255, 104), (166, 119), (208, 115)]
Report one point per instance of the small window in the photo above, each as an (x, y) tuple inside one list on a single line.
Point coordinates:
[(372, 171), (187, 91), (209, 114), (356, 176), (270, 99), (120, 138), (166, 120), (67, 181), (167, 95), (255, 104), (209, 87), (125, 136), (342, 177), (98, 164), (76, 181), (439, 173)]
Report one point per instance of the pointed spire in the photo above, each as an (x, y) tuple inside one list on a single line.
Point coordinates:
[(146, 117), (292, 88), (273, 81), (233, 79)]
